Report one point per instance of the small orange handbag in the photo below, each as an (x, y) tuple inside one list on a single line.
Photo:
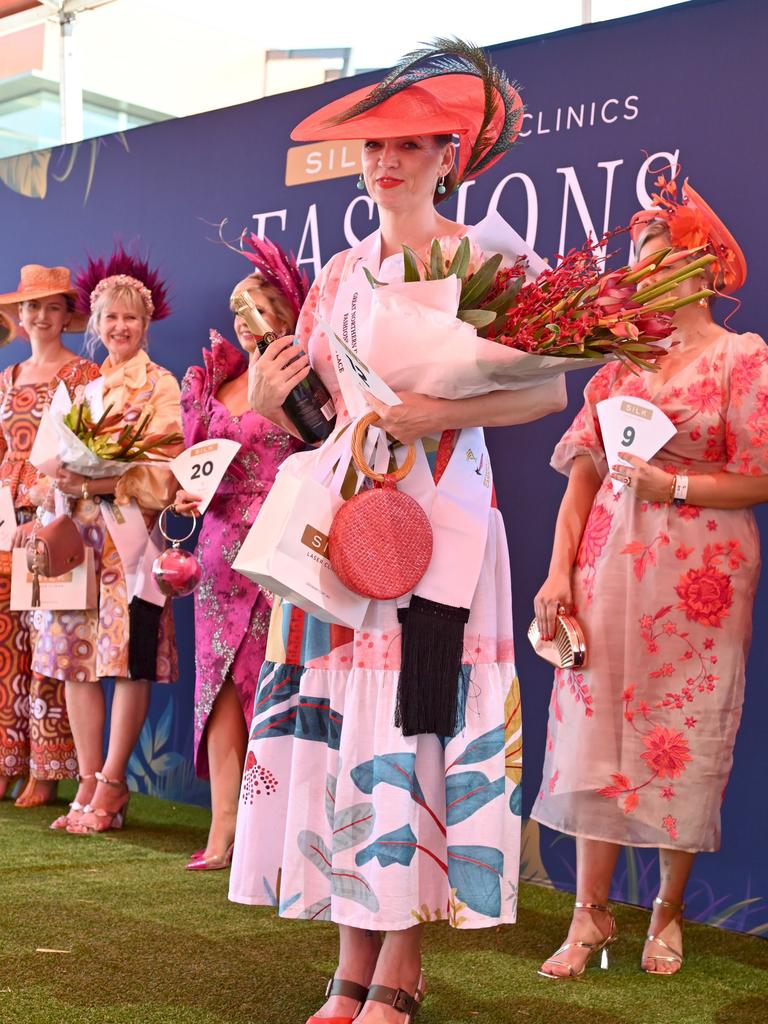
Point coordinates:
[(380, 541)]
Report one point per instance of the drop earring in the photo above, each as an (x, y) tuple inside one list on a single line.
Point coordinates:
[(361, 183), (703, 301), (441, 190)]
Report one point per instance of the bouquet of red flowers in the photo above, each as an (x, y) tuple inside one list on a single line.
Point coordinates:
[(458, 325)]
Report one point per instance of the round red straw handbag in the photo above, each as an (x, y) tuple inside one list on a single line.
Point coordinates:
[(380, 542)]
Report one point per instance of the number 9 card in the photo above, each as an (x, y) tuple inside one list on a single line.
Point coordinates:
[(632, 425)]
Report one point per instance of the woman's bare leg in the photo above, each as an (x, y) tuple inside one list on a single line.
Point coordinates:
[(227, 741), (358, 954), (398, 966), (666, 922), (130, 705), (595, 864), (86, 710)]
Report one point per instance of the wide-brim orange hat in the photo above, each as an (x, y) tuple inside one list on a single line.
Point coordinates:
[(693, 223), (39, 282), (448, 88)]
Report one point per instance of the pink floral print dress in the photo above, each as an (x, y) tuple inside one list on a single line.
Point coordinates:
[(640, 744)]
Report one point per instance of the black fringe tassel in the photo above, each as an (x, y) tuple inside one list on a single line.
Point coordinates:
[(143, 638), (432, 649)]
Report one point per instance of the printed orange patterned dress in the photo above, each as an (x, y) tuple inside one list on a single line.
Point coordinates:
[(86, 646), (640, 743), (34, 730)]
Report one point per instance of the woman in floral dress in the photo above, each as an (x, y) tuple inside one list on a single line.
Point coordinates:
[(126, 637), (343, 817), (35, 737), (662, 578), (231, 612)]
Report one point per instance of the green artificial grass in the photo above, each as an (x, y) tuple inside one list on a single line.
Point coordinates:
[(147, 943)]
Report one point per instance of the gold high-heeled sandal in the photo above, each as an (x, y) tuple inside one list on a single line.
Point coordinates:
[(676, 956), (399, 999), (593, 947)]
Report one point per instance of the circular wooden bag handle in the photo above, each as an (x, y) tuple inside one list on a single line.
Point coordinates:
[(358, 440)]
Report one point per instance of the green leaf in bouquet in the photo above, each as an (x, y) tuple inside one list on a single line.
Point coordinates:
[(411, 265), (459, 265), (554, 331), (635, 360), (648, 267), (671, 281), (506, 299), (477, 318), (436, 261), (639, 346), (372, 280), (476, 287)]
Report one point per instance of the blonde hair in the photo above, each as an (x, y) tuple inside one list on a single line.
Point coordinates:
[(117, 293), (282, 308)]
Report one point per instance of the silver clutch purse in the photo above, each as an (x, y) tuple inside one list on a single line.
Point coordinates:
[(567, 650)]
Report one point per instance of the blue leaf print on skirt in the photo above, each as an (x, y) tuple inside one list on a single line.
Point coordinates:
[(312, 718), (483, 747), (467, 792), (475, 873), (393, 769), (396, 847)]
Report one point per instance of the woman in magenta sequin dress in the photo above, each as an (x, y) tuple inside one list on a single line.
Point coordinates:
[(231, 613)]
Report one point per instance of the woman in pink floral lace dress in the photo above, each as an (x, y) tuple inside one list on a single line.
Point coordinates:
[(231, 613), (662, 578)]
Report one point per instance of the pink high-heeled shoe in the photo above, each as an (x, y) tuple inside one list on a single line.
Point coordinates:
[(106, 821), (213, 863), (75, 808)]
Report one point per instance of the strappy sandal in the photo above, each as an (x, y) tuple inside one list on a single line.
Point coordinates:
[(675, 957), (593, 947), (399, 999), (339, 987), (106, 820), (60, 824)]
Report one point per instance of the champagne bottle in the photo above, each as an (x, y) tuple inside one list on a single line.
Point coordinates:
[(309, 406)]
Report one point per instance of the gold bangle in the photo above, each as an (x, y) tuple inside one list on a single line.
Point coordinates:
[(672, 487), (84, 490)]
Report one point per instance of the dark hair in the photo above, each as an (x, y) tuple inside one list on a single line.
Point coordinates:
[(452, 176)]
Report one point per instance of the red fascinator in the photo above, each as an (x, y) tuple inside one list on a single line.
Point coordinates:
[(693, 223), (448, 88), (124, 270)]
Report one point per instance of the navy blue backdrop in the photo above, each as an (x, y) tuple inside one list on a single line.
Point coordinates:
[(680, 83)]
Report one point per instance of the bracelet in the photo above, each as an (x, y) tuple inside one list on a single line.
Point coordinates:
[(84, 490), (671, 495), (681, 490)]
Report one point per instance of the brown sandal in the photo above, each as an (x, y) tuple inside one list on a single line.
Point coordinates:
[(399, 999), (339, 987)]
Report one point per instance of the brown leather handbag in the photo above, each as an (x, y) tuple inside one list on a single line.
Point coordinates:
[(53, 550)]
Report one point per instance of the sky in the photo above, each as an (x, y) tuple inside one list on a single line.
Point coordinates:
[(380, 33)]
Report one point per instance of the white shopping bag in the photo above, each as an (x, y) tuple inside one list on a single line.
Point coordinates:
[(73, 591), (286, 550)]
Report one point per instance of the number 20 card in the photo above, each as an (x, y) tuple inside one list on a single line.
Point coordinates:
[(634, 426), (199, 469)]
